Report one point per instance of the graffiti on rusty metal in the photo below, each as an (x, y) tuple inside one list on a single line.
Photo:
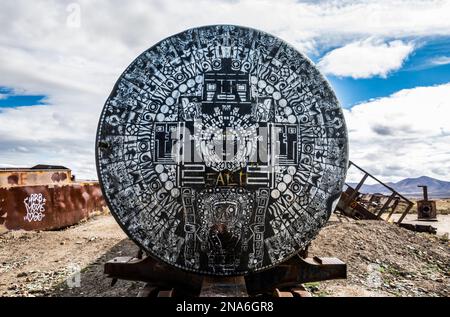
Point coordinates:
[(35, 206), (42, 207)]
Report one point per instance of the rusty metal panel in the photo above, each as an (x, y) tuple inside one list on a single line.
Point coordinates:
[(30, 177), (44, 207), (426, 209)]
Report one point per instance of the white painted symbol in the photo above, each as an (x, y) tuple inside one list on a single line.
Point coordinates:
[(35, 205)]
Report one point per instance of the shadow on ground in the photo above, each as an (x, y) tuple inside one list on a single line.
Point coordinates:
[(92, 281)]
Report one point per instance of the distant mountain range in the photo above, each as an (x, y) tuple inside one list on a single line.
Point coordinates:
[(408, 187)]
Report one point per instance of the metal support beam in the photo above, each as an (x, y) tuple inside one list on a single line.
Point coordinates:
[(156, 273), (386, 204), (394, 207), (164, 280), (405, 213), (295, 271)]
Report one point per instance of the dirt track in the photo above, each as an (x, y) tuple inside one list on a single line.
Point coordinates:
[(382, 259)]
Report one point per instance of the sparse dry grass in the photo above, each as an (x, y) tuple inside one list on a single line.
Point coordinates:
[(443, 206)]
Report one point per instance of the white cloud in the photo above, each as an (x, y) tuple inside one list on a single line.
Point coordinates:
[(76, 67), (404, 135), (364, 59), (440, 60)]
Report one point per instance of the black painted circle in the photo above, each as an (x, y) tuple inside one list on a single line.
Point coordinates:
[(222, 150)]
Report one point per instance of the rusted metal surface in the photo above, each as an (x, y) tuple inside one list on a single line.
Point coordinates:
[(295, 271), (279, 293), (44, 207), (155, 273), (357, 205), (10, 177), (148, 291), (426, 209), (283, 279), (167, 293), (300, 291), (350, 207), (419, 228)]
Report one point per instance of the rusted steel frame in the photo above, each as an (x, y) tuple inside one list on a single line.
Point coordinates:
[(279, 293), (390, 188), (364, 212), (358, 187), (405, 212), (371, 199), (148, 291), (386, 204), (167, 293), (160, 276), (350, 163), (358, 211), (394, 207), (155, 273), (419, 228), (300, 291), (295, 271)]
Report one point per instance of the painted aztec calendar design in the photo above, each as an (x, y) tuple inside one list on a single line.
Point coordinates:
[(222, 150)]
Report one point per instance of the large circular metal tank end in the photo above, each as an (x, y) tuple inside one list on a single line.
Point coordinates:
[(222, 150)]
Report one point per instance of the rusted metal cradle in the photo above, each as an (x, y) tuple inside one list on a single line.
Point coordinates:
[(221, 152), (283, 280)]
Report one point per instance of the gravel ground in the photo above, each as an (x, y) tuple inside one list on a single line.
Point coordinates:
[(382, 260), (43, 263)]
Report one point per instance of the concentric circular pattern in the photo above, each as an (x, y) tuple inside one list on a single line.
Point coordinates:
[(222, 150)]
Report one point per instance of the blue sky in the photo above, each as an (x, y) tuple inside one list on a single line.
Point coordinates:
[(11, 99), (388, 61), (417, 70)]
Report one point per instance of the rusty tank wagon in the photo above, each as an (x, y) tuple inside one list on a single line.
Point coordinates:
[(46, 197), (221, 152)]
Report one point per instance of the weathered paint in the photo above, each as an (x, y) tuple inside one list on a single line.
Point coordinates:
[(44, 207), (28, 177)]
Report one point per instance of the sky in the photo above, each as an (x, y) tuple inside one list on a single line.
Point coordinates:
[(388, 62)]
